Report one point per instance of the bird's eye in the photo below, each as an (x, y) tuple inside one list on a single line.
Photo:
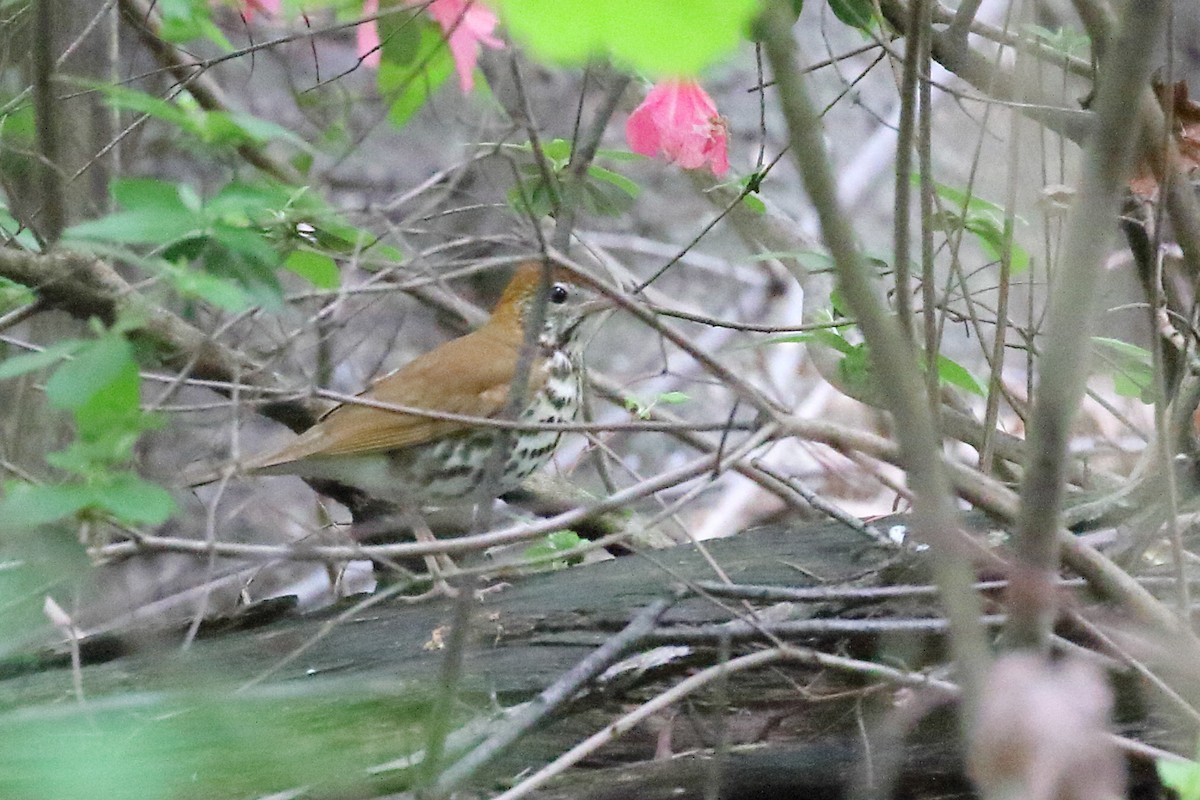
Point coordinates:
[(558, 293)]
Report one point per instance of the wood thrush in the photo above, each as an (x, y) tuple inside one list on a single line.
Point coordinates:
[(418, 461)]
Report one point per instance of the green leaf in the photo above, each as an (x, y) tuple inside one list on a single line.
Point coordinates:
[(18, 127), (262, 131), (642, 410), (135, 194), (94, 367), (535, 198), (626, 185), (245, 265), (409, 86), (565, 540), (1131, 367), (831, 338), (400, 38), (855, 13), (221, 292), (13, 231), (251, 244), (1183, 778), (79, 458), (28, 362), (754, 203), (954, 374), (318, 269), (558, 151), (664, 37), (124, 98), (555, 543), (855, 369), (185, 20), (1065, 40), (143, 226), (133, 500), (26, 506), (241, 203), (384, 252), (605, 199), (981, 218), (219, 128), (13, 294), (112, 417)]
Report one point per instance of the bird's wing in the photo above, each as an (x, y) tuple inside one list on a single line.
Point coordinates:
[(471, 376)]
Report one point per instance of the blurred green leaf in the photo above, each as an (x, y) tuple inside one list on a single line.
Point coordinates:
[(143, 226), (185, 20), (221, 292), (605, 199), (27, 362), (113, 417), (955, 374), (666, 37), (318, 269), (553, 544), (1131, 368), (127, 99), (981, 218), (24, 505), (855, 13), (558, 151), (754, 203), (626, 185), (95, 366), (12, 232), (532, 195), (1067, 41), (642, 409), (262, 131), (833, 338), (1182, 778), (408, 86), (855, 370), (135, 194), (193, 743), (133, 500), (400, 37)]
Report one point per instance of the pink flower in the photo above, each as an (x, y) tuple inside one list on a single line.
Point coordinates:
[(366, 36), (680, 120), (467, 25)]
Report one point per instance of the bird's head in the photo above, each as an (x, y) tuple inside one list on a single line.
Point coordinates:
[(568, 300)]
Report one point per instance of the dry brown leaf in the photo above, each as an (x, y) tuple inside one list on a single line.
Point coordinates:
[(1185, 119)]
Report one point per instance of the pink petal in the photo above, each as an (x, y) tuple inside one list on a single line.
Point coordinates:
[(367, 36), (467, 25), (718, 153), (641, 133), (679, 120)]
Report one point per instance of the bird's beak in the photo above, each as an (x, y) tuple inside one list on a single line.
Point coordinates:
[(589, 307)]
